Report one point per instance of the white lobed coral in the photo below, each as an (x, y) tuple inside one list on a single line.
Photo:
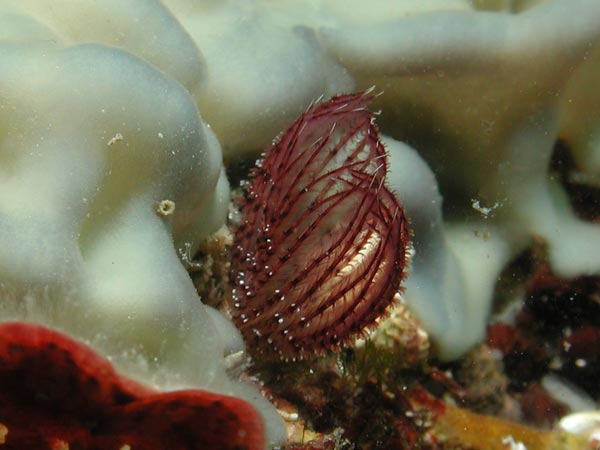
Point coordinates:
[(100, 124), (261, 71), (78, 205), (144, 28), (440, 289), (107, 169)]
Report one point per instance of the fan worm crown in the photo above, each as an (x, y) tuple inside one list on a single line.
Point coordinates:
[(321, 248)]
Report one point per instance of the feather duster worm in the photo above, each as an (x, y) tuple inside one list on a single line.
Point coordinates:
[(320, 251), (56, 393)]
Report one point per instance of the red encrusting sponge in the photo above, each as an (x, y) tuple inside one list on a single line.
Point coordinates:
[(56, 393)]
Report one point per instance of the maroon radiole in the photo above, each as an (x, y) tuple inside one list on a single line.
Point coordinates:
[(321, 248)]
